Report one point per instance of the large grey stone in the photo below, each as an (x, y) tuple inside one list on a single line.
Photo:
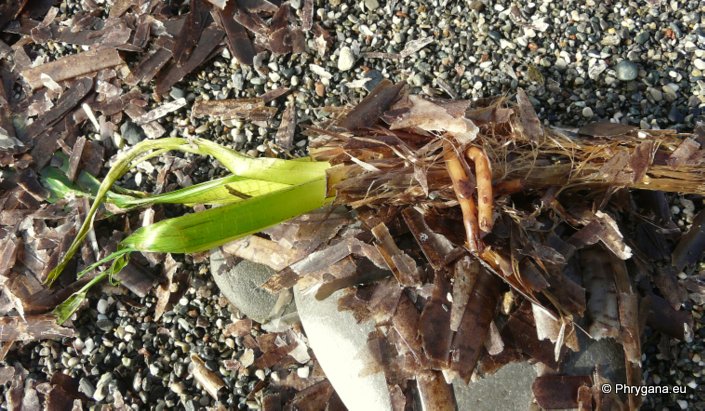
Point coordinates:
[(510, 387), (340, 345), (507, 389), (241, 286)]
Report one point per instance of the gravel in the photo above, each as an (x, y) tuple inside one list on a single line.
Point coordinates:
[(640, 63)]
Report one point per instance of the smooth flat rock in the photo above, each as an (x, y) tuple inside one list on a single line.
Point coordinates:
[(241, 286), (507, 389), (340, 345)]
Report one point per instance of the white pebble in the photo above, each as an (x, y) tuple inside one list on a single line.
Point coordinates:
[(587, 112), (303, 372), (178, 388), (346, 59), (683, 404), (260, 374), (102, 306)]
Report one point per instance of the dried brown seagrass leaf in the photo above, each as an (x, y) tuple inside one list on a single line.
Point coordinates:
[(434, 323), (148, 67), (663, 317), (366, 273), (412, 46), (434, 393), (160, 111), (492, 114), (530, 122), (641, 160), (402, 265), (32, 327), (465, 273), (261, 251), (238, 41), (474, 327), (137, 279), (406, 325), (196, 21), (559, 391), (249, 108), (207, 48), (313, 398), (691, 246), (274, 94), (431, 117), (287, 128), (520, 331), (606, 130), (41, 127), (209, 380), (366, 113), (603, 302), (73, 66), (163, 291)]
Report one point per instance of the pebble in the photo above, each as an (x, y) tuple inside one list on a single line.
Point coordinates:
[(178, 388), (587, 112), (102, 306), (626, 70), (260, 374), (699, 64), (72, 362), (346, 59), (303, 372), (101, 389), (371, 4), (85, 387), (247, 358), (320, 89), (105, 325), (642, 37), (176, 93), (655, 94)]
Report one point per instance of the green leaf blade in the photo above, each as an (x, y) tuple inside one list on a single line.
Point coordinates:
[(216, 226)]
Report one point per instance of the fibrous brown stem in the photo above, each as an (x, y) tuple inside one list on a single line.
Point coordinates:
[(463, 190), (483, 175)]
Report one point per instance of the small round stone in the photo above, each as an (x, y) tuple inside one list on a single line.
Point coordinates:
[(626, 70), (346, 59), (371, 4), (587, 112), (102, 306), (699, 64)]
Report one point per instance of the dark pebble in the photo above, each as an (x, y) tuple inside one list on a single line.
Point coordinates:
[(495, 35), (676, 115)]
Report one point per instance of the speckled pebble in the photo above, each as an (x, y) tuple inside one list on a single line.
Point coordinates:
[(626, 70)]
